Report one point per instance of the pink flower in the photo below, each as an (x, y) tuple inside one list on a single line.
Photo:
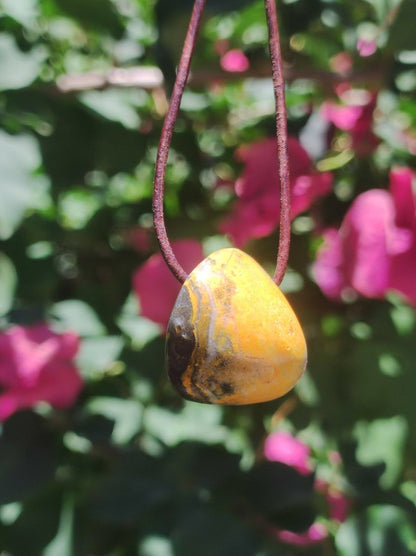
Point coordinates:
[(403, 260), (356, 117), (256, 212), (156, 287), (234, 61), (338, 505), (285, 448), (374, 251), (36, 365), (341, 63), (316, 533), (366, 47)]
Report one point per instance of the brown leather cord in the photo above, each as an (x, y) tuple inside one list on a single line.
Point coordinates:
[(169, 124)]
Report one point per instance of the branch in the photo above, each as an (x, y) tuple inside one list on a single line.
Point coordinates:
[(145, 77), (151, 78)]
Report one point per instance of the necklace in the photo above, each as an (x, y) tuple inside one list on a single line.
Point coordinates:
[(232, 336)]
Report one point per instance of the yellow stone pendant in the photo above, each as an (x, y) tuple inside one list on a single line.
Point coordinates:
[(232, 337)]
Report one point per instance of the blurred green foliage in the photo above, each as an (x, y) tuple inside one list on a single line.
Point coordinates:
[(131, 469)]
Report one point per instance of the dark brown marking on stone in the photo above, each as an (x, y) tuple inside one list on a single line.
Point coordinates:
[(227, 388), (180, 345)]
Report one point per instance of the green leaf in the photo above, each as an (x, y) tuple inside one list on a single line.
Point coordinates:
[(208, 467), (28, 456), (307, 390), (379, 531), (8, 280), (404, 318), (77, 206), (76, 315), (19, 188), (83, 142), (24, 11), (374, 376), (206, 531), (96, 14), (281, 494), (126, 414), (62, 543), (97, 429), (166, 8), (402, 31), (365, 479), (129, 490), (98, 355), (383, 7), (139, 329), (18, 69), (382, 440), (116, 105), (155, 546), (194, 422), (35, 526)]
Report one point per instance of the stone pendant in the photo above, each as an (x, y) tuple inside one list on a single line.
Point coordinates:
[(232, 337)]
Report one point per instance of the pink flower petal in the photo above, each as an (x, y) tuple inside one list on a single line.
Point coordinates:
[(306, 189), (401, 188), (36, 365), (328, 267), (234, 61), (364, 233), (316, 533), (355, 118), (403, 263), (252, 219), (357, 255), (59, 386), (283, 447), (156, 287), (256, 212), (343, 117), (339, 506), (366, 47), (402, 274), (374, 251)]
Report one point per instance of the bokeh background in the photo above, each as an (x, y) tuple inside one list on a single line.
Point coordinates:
[(98, 454)]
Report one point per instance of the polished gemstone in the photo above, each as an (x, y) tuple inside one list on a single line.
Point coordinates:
[(232, 337)]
